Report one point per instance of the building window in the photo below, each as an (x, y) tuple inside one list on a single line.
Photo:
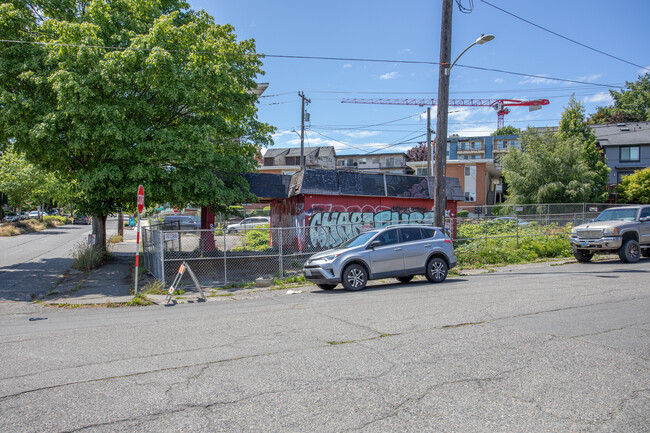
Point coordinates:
[(362, 160), (293, 160), (630, 154), (622, 173), (470, 196), (421, 172), (476, 145), (268, 162), (390, 162)]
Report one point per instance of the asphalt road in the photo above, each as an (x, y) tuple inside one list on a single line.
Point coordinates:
[(563, 348), (31, 264)]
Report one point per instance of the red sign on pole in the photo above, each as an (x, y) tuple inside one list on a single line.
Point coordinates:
[(140, 199)]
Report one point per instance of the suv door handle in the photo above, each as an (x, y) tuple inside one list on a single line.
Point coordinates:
[(397, 249), (426, 245)]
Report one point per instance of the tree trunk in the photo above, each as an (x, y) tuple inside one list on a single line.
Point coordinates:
[(120, 224), (99, 230)]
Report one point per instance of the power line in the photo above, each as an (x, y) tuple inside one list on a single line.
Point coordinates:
[(562, 36), (346, 59)]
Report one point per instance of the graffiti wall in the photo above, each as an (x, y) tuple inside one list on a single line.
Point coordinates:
[(329, 225), (323, 221)]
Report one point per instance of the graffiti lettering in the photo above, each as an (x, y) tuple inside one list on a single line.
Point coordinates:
[(328, 229)]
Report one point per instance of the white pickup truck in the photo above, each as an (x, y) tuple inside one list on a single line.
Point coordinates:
[(622, 230)]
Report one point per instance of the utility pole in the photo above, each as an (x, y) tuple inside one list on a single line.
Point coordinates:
[(429, 150), (302, 130), (439, 187)]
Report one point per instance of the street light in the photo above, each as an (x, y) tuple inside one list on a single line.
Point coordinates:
[(440, 161)]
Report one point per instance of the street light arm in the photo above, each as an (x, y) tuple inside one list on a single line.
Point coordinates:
[(464, 51), (480, 41)]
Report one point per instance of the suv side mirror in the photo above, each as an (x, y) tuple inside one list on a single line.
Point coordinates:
[(374, 244), (644, 219)]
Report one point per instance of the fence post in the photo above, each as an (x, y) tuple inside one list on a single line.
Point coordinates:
[(517, 229), (280, 250), (486, 229), (161, 237), (225, 267)]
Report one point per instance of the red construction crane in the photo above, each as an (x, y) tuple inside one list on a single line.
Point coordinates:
[(500, 105)]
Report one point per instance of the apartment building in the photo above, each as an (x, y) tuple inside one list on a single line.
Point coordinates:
[(378, 162)]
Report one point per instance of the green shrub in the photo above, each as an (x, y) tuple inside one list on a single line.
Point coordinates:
[(462, 213), (256, 240)]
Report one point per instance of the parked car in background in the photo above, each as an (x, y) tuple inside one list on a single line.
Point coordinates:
[(24, 215), (397, 251), (81, 219), (183, 222), (12, 217), (33, 214), (247, 224)]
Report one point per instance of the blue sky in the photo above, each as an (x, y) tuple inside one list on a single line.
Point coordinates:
[(410, 31)]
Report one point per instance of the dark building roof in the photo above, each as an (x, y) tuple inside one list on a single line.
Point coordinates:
[(268, 186), (339, 182), (622, 134)]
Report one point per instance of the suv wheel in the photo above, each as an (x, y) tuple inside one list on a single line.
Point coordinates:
[(630, 251), (436, 270), (582, 255), (405, 279), (326, 286), (354, 278)]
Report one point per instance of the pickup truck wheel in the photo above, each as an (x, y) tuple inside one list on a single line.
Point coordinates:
[(583, 256), (630, 251)]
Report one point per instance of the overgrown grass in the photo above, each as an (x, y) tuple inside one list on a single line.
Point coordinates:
[(504, 243), (114, 239), (33, 225), (86, 257)]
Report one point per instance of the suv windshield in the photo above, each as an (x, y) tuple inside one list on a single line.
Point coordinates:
[(359, 239), (617, 215)]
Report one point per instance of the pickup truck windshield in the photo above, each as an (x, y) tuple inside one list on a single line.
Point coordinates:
[(617, 215)]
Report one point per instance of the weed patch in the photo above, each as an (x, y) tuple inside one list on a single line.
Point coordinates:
[(139, 300), (86, 258)]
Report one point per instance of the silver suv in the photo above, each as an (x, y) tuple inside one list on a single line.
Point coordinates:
[(399, 251)]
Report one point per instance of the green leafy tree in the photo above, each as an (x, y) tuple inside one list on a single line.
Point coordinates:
[(547, 169), (18, 178), (574, 125), (635, 188), (631, 104), (507, 130), (128, 92)]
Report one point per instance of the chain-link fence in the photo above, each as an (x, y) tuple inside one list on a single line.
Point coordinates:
[(219, 258)]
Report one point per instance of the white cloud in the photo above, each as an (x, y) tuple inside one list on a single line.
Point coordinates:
[(360, 134), (471, 131), (347, 65), (643, 71), (388, 76), (590, 77), (406, 51), (499, 80), (598, 98), (537, 80)]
